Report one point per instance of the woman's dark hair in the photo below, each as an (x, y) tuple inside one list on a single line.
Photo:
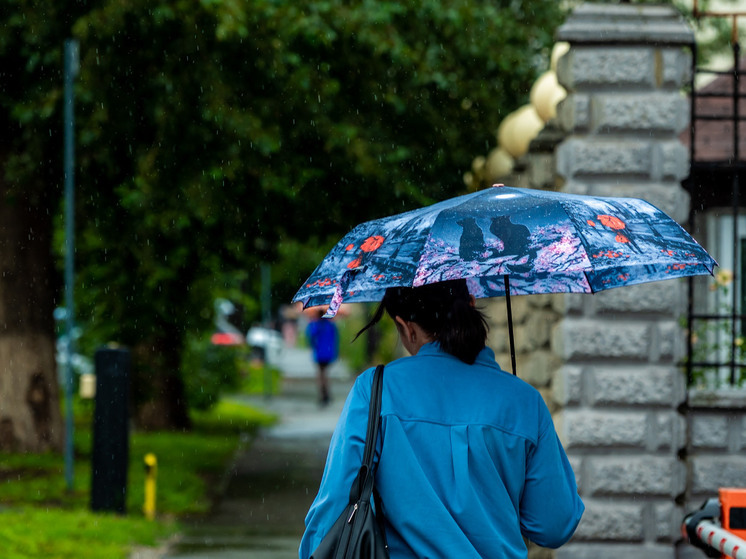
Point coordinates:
[(443, 310)]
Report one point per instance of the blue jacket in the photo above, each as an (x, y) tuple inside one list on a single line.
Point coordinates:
[(469, 462), (322, 334)]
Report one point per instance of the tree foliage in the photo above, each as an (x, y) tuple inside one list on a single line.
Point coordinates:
[(214, 136)]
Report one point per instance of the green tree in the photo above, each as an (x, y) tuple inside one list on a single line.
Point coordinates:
[(215, 136)]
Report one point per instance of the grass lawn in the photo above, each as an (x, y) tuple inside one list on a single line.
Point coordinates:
[(28, 532), (40, 517)]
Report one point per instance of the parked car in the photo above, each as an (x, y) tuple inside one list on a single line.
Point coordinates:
[(266, 344)]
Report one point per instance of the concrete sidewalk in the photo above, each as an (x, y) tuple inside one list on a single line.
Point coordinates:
[(269, 487)]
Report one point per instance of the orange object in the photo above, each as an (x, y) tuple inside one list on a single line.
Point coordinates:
[(733, 510), (612, 222), (372, 244), (227, 338)]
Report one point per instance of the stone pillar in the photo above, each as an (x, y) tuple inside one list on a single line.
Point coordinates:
[(619, 386)]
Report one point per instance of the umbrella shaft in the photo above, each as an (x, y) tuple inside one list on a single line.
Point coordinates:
[(510, 323)]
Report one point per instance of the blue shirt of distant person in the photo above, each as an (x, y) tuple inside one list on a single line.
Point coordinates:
[(324, 339), (322, 334)]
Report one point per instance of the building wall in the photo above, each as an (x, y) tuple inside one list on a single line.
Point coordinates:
[(619, 387), (646, 451)]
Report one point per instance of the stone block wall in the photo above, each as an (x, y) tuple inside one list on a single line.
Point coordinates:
[(534, 317), (644, 449), (618, 388), (716, 453)]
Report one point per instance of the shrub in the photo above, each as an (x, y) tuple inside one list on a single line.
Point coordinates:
[(211, 370)]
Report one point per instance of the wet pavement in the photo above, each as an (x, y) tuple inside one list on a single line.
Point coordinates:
[(270, 485)]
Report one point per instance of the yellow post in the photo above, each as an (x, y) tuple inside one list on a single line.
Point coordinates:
[(151, 471)]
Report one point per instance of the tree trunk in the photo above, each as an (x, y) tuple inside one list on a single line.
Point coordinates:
[(30, 418), (158, 389)]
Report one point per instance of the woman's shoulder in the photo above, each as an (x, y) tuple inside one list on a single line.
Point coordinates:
[(440, 389), (364, 381)]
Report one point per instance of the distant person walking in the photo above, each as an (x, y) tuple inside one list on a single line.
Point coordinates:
[(322, 334)]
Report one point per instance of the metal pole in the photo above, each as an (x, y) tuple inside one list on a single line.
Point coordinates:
[(266, 322), (692, 154), (71, 70), (736, 205), (722, 540), (266, 297)]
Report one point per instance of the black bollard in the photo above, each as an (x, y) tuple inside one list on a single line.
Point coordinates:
[(110, 454)]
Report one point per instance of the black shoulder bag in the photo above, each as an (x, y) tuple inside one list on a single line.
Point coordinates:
[(358, 532)]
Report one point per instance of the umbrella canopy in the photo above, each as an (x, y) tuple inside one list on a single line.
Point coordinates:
[(543, 242)]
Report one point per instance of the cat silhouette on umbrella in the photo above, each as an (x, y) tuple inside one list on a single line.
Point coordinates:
[(515, 237), (471, 245)]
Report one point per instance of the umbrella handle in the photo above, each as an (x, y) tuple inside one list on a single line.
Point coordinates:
[(510, 323)]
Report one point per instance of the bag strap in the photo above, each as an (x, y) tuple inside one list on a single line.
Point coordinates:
[(375, 394), (374, 418), (363, 485)]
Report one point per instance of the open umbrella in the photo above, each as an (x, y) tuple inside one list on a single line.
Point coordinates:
[(505, 241)]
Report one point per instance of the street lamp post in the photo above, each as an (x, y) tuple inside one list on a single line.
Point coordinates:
[(71, 71)]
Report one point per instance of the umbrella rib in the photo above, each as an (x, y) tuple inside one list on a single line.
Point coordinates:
[(588, 281)]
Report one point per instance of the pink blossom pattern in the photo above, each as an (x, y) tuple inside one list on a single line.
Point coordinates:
[(561, 252)]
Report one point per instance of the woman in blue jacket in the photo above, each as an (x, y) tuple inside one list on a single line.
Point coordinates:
[(468, 461)]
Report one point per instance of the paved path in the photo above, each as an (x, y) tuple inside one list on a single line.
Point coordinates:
[(269, 488)]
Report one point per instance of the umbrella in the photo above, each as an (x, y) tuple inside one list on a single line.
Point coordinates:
[(504, 241)]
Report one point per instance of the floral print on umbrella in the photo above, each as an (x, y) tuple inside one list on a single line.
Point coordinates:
[(545, 242)]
